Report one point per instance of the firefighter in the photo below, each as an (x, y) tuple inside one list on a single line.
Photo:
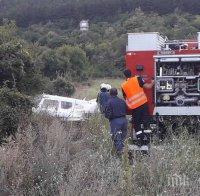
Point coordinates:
[(103, 97), (136, 100), (115, 111)]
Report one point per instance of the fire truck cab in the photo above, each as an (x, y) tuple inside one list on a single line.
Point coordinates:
[(175, 66)]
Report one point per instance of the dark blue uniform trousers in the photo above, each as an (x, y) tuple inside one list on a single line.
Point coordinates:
[(118, 132)]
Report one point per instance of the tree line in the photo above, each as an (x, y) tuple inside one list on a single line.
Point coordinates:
[(27, 12)]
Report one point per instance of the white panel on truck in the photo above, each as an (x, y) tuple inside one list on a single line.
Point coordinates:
[(145, 41), (177, 111), (198, 40)]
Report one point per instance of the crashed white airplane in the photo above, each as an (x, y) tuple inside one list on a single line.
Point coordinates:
[(67, 108)]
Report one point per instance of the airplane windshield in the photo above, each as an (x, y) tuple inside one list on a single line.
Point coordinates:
[(50, 104)]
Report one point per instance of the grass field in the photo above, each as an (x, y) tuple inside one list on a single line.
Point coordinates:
[(90, 90)]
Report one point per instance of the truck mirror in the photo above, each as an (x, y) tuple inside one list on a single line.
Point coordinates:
[(139, 67)]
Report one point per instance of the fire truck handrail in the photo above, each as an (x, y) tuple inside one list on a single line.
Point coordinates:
[(181, 42), (144, 33), (178, 56)]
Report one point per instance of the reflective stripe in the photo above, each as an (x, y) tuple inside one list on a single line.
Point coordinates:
[(147, 131), (138, 133), (146, 148), (136, 96), (130, 103), (134, 147)]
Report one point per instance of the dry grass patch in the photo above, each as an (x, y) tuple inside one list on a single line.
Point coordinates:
[(51, 157)]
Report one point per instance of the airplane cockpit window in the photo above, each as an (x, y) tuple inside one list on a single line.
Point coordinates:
[(66, 105), (50, 104)]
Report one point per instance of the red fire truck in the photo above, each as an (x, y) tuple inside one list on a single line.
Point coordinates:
[(174, 64)]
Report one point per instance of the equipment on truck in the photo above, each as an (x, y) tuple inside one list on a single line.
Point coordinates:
[(175, 66)]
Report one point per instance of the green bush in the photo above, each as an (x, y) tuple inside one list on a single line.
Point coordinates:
[(61, 87), (13, 105), (64, 60)]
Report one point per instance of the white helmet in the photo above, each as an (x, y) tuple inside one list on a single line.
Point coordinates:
[(103, 85), (108, 87)]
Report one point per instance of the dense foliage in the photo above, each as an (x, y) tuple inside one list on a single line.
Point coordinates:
[(64, 49), (14, 106), (60, 49), (27, 12), (18, 78)]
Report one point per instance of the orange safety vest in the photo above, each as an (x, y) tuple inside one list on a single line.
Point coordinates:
[(135, 95)]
